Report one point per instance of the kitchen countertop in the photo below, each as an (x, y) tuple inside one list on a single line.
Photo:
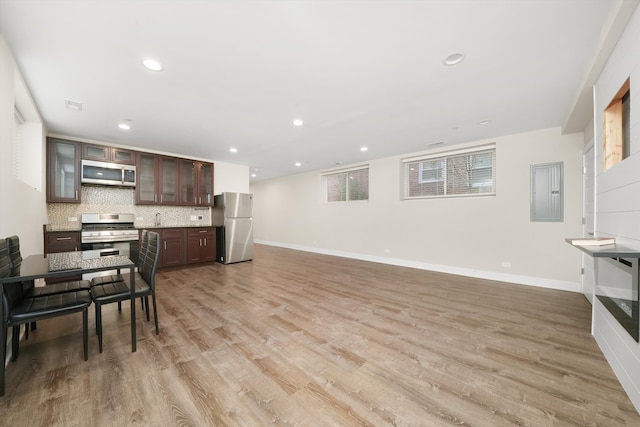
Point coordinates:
[(58, 228)]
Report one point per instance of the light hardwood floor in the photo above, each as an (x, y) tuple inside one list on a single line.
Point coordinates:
[(295, 338)]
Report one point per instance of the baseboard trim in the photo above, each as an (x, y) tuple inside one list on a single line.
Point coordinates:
[(480, 274)]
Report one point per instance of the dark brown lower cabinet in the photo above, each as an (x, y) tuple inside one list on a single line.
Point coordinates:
[(201, 244), (62, 241), (172, 247)]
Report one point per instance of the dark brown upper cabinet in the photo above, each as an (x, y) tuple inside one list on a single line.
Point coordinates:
[(147, 179), (63, 171), (102, 153), (157, 182), (196, 183)]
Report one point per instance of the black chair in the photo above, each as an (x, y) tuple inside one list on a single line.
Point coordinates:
[(107, 293), (29, 290), (112, 278), (28, 287), (19, 309), (103, 280)]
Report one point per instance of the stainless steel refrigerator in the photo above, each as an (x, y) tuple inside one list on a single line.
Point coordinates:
[(234, 236)]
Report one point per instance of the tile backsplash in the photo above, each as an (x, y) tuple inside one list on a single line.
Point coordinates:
[(122, 200)]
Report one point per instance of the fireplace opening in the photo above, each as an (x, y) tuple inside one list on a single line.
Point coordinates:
[(617, 289)]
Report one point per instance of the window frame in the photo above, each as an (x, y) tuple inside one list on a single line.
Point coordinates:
[(446, 159), (346, 172), (616, 127)]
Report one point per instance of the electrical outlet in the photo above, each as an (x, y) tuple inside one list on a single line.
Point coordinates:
[(200, 217), (506, 264), (72, 219), (192, 217), (139, 218)]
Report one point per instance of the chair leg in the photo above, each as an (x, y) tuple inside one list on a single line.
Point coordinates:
[(26, 329), (119, 306), (146, 303), (15, 343), (155, 311), (3, 353), (96, 309), (85, 333), (99, 325)]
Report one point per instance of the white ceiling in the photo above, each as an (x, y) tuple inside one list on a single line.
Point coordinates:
[(359, 73)]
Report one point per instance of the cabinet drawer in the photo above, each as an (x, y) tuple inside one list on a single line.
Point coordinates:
[(202, 232), (62, 241)]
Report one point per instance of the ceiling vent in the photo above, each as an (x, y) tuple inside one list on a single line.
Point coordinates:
[(73, 105)]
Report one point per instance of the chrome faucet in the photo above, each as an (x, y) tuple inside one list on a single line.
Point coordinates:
[(157, 224)]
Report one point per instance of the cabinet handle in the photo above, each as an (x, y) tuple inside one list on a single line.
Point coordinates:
[(200, 202), (161, 198), (200, 242), (76, 194), (155, 198), (63, 238), (165, 245), (205, 241)]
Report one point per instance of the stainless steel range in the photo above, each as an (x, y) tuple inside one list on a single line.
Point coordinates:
[(110, 234)]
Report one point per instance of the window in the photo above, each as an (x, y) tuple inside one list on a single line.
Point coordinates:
[(348, 185), (616, 127), (458, 173)]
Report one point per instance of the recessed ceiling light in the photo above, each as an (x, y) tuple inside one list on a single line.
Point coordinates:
[(152, 64), (297, 122), (73, 105), (298, 164), (124, 126), (484, 122), (363, 148), (453, 59), (253, 175), (233, 150)]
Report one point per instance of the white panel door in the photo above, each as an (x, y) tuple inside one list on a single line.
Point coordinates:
[(588, 215)]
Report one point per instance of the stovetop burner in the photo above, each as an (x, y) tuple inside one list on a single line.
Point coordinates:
[(98, 228)]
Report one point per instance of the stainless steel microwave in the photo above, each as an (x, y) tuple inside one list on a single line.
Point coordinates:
[(103, 173)]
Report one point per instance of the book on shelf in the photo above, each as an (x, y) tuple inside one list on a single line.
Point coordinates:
[(593, 241)]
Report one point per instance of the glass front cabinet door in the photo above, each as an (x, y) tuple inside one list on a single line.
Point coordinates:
[(63, 171), (147, 185)]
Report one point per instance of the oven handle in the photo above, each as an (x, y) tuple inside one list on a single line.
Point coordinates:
[(111, 252)]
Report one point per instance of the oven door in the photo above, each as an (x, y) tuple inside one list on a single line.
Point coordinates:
[(99, 249)]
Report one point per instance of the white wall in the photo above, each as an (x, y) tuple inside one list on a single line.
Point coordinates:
[(230, 178), (470, 236), (618, 200), (22, 194)]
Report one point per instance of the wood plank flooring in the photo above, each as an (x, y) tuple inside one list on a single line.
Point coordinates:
[(295, 338)]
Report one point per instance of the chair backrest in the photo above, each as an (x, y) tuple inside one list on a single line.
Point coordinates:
[(16, 262), (150, 258), (14, 254), (12, 291), (5, 260), (144, 240)]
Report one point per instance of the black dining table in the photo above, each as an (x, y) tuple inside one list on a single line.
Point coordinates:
[(64, 264)]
